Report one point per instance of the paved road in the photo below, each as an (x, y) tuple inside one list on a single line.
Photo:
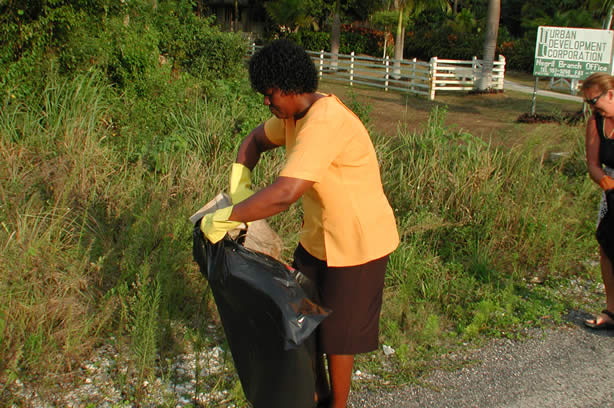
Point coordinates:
[(514, 86), (567, 367)]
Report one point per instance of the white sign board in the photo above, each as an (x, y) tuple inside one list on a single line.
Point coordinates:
[(574, 53)]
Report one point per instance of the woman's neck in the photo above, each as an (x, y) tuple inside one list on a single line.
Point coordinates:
[(307, 101)]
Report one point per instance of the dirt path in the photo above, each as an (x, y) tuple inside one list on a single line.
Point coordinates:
[(490, 116), (564, 367), (515, 86)]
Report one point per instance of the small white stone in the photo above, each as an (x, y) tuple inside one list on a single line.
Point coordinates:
[(388, 350)]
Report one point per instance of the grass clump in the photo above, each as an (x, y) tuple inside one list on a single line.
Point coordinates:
[(93, 217), (478, 223)]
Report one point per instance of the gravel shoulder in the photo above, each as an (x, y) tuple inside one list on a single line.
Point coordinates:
[(569, 366)]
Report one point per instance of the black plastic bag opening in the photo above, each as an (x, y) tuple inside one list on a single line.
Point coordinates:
[(268, 320)]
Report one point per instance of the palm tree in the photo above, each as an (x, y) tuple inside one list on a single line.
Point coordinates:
[(463, 22), (290, 15), (413, 8), (384, 20), (490, 44), (335, 35), (359, 9), (608, 6), (399, 5), (235, 23), (599, 9)]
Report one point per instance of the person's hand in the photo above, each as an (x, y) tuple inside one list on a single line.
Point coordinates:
[(216, 224), (606, 183), (240, 181)]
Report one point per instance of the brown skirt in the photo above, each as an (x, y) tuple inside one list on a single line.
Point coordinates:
[(354, 294)]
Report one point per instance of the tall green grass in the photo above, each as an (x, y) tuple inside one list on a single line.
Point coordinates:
[(95, 242), (477, 223)]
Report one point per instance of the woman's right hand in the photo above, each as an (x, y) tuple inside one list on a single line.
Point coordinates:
[(606, 182)]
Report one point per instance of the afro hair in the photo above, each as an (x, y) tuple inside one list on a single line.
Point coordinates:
[(283, 65)]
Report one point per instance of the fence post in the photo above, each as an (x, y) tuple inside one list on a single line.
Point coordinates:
[(501, 81), (474, 70), (352, 69), (321, 62), (387, 71), (412, 80), (433, 85), (573, 86)]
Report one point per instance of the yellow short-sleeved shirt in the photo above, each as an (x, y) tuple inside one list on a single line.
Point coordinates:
[(347, 218)]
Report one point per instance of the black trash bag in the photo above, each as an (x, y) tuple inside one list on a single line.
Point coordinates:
[(267, 319), (605, 229)]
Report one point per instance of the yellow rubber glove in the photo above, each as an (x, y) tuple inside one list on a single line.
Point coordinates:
[(216, 224), (240, 181), (606, 182)]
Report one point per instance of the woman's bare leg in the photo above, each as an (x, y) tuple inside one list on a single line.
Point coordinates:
[(607, 274), (340, 370)]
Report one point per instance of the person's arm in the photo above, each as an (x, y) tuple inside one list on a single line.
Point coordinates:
[(248, 206), (253, 146), (267, 202), (249, 154), (270, 200), (595, 170)]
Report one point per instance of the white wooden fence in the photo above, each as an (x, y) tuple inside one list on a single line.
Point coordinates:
[(567, 84), (413, 76)]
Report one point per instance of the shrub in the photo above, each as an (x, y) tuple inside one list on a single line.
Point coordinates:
[(27, 32), (134, 52), (446, 42), (361, 40), (312, 40), (35, 34), (443, 43), (519, 54), (196, 45), (124, 46)]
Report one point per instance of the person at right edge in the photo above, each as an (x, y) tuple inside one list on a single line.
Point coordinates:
[(598, 90), (348, 228)]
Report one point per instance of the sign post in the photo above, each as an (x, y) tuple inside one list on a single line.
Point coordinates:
[(572, 53)]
